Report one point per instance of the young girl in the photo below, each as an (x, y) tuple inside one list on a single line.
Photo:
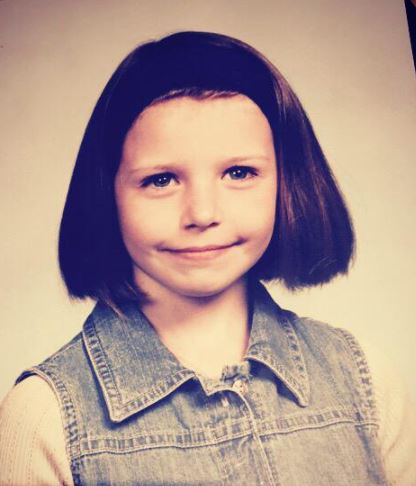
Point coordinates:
[(198, 176)]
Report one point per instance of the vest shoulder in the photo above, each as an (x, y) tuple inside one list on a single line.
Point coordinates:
[(70, 356), (318, 331), (336, 352), (67, 351)]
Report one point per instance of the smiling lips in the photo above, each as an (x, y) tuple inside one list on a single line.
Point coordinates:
[(201, 252)]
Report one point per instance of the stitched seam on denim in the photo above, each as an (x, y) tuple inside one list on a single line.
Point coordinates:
[(120, 410), (332, 378), (364, 375), (296, 353), (155, 394), (161, 389), (205, 435), (69, 415), (319, 426), (255, 434), (297, 381), (101, 449), (282, 373), (328, 413), (313, 421), (202, 436), (99, 362), (208, 435)]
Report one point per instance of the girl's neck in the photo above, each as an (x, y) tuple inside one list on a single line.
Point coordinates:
[(204, 334)]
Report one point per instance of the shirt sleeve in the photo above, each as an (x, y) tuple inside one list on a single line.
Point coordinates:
[(397, 433), (32, 442)]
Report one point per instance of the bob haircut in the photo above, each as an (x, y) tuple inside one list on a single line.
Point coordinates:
[(313, 239)]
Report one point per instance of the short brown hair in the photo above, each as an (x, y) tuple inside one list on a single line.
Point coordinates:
[(313, 238)]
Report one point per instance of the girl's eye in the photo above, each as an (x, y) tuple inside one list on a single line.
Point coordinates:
[(158, 180), (240, 172)]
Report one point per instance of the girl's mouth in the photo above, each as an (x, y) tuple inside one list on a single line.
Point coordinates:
[(201, 252)]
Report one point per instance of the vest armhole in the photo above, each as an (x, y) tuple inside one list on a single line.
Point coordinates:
[(365, 381), (67, 410)]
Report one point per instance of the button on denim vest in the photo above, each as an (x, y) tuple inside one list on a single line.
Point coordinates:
[(297, 411)]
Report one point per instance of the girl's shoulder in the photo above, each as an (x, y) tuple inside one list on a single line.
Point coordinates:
[(397, 415), (394, 405), (32, 443)]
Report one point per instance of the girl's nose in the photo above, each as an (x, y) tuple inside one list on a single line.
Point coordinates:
[(200, 207)]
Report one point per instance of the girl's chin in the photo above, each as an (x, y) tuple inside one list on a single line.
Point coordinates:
[(202, 293), (207, 290), (203, 286)]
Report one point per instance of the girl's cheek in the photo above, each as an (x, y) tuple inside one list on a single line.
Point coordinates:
[(148, 222)]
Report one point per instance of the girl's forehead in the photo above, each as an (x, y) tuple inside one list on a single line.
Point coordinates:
[(184, 108), (206, 117), (187, 125)]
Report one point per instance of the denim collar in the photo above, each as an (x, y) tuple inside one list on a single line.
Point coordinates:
[(135, 370)]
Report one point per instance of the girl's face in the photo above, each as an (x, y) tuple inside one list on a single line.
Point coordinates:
[(196, 194)]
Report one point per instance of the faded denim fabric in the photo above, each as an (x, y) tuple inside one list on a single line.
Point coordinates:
[(298, 411)]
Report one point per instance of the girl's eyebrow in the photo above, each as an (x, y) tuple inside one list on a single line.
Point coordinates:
[(156, 167), (247, 158), (176, 166)]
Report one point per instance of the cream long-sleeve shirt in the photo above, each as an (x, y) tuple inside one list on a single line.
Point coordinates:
[(32, 443)]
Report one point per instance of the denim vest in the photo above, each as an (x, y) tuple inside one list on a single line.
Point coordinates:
[(297, 411)]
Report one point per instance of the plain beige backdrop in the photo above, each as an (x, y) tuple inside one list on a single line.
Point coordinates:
[(350, 63)]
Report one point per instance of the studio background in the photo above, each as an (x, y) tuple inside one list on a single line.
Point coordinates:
[(350, 63)]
